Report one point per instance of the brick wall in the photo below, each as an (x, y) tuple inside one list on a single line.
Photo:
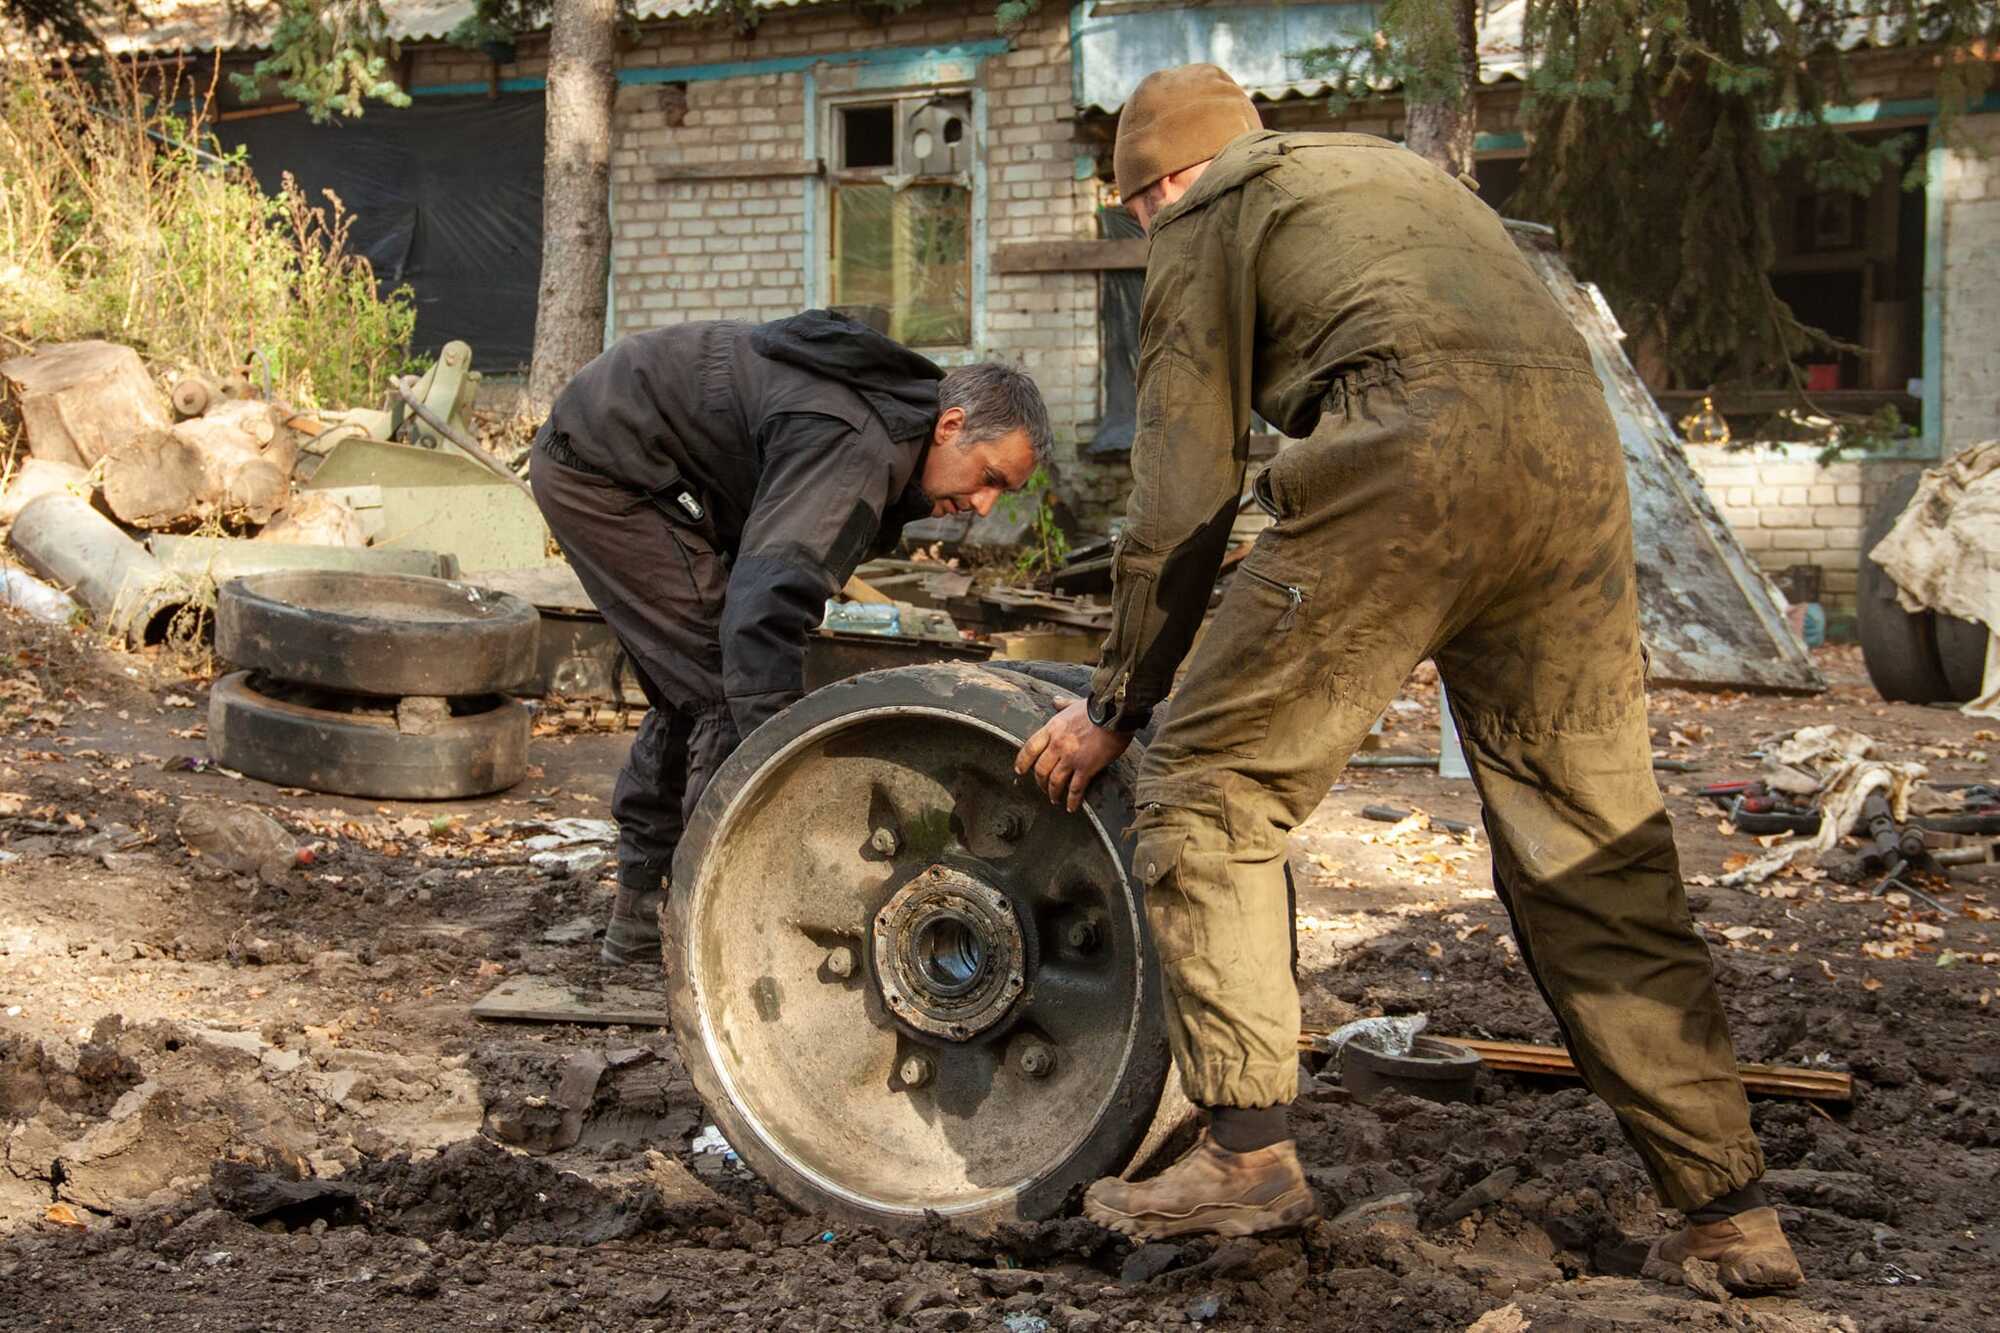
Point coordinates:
[(1787, 509), (1971, 333)]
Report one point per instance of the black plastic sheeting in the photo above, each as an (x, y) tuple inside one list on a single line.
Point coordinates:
[(446, 196), (1118, 316)]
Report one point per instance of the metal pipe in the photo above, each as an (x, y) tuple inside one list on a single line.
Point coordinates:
[(73, 546), (469, 447)]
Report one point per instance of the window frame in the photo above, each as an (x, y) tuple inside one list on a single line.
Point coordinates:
[(905, 100)]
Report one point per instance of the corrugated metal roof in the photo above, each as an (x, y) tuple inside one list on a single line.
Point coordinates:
[(1119, 42), (160, 27)]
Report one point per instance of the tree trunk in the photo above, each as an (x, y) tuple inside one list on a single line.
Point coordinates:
[(576, 194), (1443, 131)]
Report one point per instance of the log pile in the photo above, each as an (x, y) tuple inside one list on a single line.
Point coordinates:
[(95, 421)]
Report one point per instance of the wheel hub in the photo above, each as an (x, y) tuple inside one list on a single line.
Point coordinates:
[(951, 954)]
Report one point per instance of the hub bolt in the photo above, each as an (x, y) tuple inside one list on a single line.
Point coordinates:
[(1081, 935), (1036, 1059), (885, 841), (840, 962), (915, 1071), (1012, 826)]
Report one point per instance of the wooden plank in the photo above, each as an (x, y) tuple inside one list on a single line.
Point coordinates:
[(529, 999), (1521, 1057), (858, 589), (1071, 256), (742, 168)]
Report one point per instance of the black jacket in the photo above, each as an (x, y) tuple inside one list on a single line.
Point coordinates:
[(800, 443)]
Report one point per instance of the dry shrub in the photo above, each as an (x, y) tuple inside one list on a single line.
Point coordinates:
[(120, 218)]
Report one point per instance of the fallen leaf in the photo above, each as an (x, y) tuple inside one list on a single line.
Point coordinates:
[(62, 1215), (1871, 983), (178, 701)]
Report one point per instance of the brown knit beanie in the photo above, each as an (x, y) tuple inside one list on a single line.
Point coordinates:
[(1174, 119)]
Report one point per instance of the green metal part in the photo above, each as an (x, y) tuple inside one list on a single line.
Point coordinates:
[(435, 500)]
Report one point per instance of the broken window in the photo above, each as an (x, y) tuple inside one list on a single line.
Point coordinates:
[(901, 215)]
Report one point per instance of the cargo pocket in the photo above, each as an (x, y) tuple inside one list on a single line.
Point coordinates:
[(1176, 928)]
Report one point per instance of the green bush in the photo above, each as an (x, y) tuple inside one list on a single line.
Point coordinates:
[(120, 219)]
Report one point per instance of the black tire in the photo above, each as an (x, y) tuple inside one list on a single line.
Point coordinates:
[(1898, 646), (1961, 650), (292, 737), (384, 634)]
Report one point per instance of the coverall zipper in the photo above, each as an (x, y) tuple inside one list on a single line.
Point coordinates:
[(1298, 598)]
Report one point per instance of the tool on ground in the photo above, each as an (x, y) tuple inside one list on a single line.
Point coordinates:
[(1389, 814), (1520, 1057)]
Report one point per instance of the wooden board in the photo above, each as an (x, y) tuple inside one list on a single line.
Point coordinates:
[(743, 168), (1071, 256), (550, 1000), (1521, 1057)]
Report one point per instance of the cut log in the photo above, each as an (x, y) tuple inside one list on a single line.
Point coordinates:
[(316, 518), (234, 464), (82, 401)]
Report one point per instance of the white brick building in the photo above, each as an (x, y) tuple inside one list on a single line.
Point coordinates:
[(755, 174)]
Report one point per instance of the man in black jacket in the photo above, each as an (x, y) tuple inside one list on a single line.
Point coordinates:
[(712, 485)]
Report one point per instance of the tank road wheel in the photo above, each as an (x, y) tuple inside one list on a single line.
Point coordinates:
[(905, 983)]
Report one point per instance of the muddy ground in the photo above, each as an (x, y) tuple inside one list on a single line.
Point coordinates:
[(257, 1100)]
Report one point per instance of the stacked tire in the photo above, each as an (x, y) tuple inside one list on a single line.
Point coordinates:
[(378, 685), (1915, 657)]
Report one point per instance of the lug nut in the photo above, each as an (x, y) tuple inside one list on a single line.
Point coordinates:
[(1012, 826), (885, 841), (1036, 1060), (840, 962), (915, 1071), (1081, 935)]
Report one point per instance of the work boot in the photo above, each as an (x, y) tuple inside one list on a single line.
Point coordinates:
[(1749, 1251), (633, 936), (1211, 1190)]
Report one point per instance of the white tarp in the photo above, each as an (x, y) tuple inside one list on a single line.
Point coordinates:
[(1944, 552)]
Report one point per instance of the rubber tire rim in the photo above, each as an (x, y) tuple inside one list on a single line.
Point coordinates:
[(294, 745), (1122, 1131), (475, 641)]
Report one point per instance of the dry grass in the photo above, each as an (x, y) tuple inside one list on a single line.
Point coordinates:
[(121, 219)]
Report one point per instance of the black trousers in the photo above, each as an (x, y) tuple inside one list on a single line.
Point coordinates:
[(659, 584)]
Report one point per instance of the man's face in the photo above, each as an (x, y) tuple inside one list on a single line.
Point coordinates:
[(959, 478)]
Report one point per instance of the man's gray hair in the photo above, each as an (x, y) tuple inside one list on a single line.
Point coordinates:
[(997, 399)]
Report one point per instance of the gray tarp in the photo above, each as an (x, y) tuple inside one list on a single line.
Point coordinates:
[(1944, 552)]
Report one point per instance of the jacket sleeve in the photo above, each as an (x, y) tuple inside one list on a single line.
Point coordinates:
[(819, 503), (1196, 327)]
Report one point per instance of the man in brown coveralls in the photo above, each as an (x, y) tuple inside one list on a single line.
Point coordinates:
[(1457, 492)]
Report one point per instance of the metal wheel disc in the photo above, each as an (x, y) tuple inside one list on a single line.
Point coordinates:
[(905, 983)]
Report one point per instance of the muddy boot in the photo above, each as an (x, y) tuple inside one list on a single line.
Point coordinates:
[(1212, 1191), (1749, 1251), (634, 933)]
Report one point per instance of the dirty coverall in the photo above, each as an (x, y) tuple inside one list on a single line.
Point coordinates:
[(1457, 492), (712, 484)]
